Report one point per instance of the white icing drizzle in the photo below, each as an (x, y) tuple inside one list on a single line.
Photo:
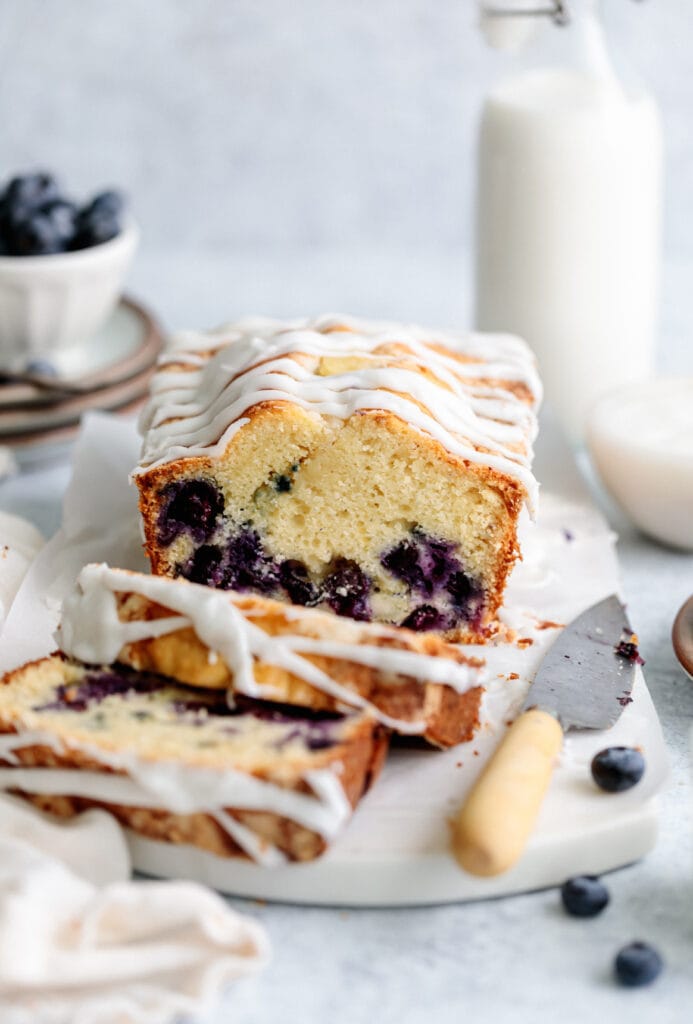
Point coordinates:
[(180, 788), (257, 848), (196, 411), (91, 631)]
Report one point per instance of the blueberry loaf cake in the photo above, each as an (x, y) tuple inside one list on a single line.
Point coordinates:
[(258, 647), (262, 781), (371, 469)]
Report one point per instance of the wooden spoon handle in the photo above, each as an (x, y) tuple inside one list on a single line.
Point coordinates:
[(493, 827)]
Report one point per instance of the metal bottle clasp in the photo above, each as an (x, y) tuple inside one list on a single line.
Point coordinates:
[(557, 10)]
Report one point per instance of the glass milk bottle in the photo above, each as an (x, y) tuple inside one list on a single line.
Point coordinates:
[(568, 208)]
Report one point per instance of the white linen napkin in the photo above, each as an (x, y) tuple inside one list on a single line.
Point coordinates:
[(82, 944)]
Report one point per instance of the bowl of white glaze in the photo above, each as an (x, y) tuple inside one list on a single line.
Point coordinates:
[(52, 305), (640, 438)]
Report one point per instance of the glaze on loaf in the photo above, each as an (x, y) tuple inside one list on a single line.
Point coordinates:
[(373, 469)]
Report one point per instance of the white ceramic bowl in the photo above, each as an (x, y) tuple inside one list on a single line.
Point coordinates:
[(51, 305), (640, 438)]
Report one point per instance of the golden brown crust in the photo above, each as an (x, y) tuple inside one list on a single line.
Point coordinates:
[(184, 657), (199, 830)]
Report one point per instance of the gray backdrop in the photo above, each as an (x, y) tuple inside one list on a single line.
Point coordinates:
[(260, 125)]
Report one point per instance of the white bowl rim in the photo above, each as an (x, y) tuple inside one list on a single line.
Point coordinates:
[(654, 382), (62, 260)]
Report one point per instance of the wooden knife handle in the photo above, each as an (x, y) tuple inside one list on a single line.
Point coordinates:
[(494, 824)]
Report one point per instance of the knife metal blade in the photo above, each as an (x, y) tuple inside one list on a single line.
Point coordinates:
[(583, 681)]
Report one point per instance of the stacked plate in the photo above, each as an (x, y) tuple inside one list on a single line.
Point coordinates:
[(40, 411)]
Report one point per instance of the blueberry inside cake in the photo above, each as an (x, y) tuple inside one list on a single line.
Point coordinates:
[(373, 470), (253, 779)]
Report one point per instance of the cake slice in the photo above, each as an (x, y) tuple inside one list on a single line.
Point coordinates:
[(174, 764), (372, 469), (255, 646)]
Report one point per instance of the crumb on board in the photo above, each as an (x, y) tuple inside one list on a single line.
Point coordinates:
[(628, 650), (525, 641), (548, 624), (504, 634), (513, 675)]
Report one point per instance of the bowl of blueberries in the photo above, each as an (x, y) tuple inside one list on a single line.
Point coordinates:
[(62, 267)]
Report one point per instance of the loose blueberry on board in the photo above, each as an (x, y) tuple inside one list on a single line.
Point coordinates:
[(617, 769), (584, 896), (637, 964)]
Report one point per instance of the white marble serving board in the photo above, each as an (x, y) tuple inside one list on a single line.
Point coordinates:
[(395, 851)]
